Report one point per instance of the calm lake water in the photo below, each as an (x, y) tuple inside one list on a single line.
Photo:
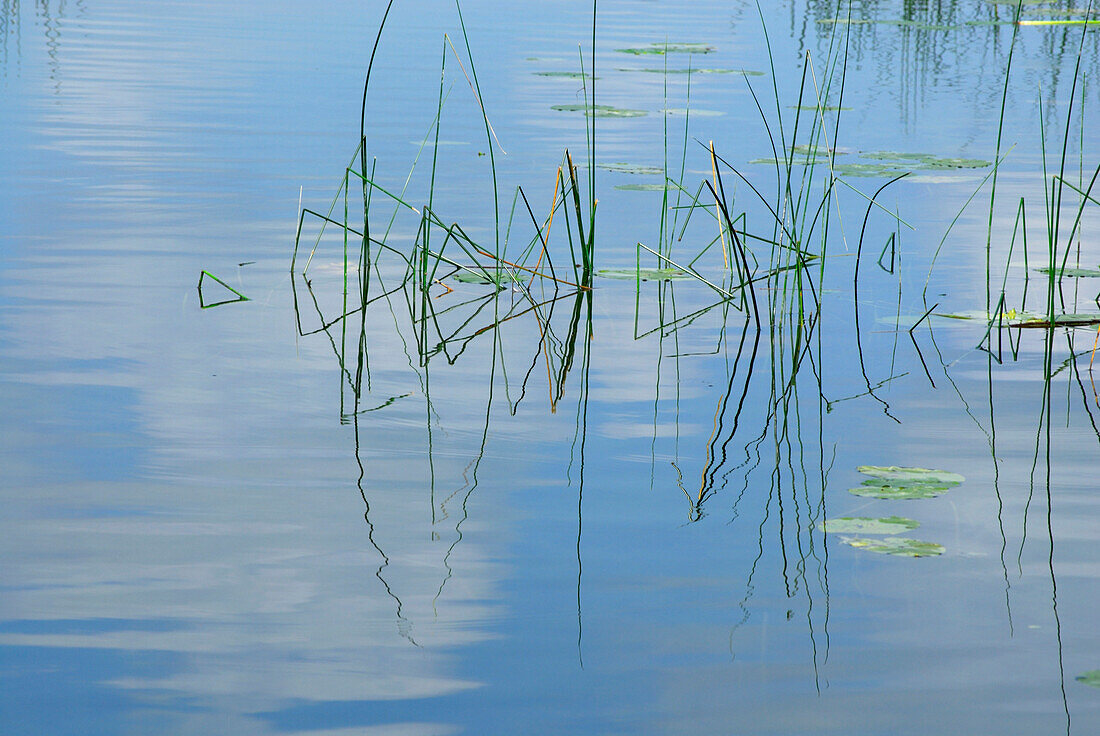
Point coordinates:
[(544, 511)]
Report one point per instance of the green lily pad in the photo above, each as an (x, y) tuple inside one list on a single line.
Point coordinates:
[(565, 75), (660, 49), (927, 160), (898, 546), (865, 525), (919, 475), (641, 187), (1090, 678), (645, 274), (1072, 272), (746, 72), (869, 170), (633, 169), (900, 490), (1060, 320), (469, 277), (601, 111)]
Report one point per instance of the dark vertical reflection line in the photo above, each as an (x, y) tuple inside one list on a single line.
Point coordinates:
[(1049, 354), (587, 361), (404, 627), (997, 492)]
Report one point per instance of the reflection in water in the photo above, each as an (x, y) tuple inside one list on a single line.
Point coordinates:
[(51, 15)]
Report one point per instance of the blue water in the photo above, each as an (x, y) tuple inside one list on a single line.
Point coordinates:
[(205, 529)]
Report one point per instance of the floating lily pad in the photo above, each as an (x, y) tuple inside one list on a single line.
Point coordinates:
[(927, 160), (601, 111), (869, 170), (566, 75), (1060, 320), (660, 49), (898, 546), (1090, 678), (865, 525), (633, 169), (746, 72), (646, 274), (921, 475), (1072, 272), (469, 277), (900, 490), (641, 187)]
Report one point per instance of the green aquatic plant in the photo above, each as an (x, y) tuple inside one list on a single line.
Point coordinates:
[(624, 168), (641, 187), (866, 525), (1090, 678), (601, 111), (565, 75), (660, 49), (900, 490), (469, 277), (204, 299), (645, 274), (897, 546), (702, 70), (919, 475)]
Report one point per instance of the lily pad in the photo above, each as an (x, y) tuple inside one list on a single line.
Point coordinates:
[(1072, 272), (633, 169), (900, 490), (920, 475), (641, 187), (566, 75), (898, 546), (1090, 678), (646, 274), (927, 160), (469, 277), (660, 49), (1060, 320), (746, 72), (601, 111), (865, 525), (869, 170)]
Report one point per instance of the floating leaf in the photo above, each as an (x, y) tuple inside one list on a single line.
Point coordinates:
[(1072, 272), (1060, 320), (898, 546), (923, 475), (746, 72), (865, 525), (1090, 678), (633, 169), (601, 111), (566, 75), (470, 277), (870, 170), (927, 160), (645, 274), (641, 187), (901, 490), (660, 49)]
